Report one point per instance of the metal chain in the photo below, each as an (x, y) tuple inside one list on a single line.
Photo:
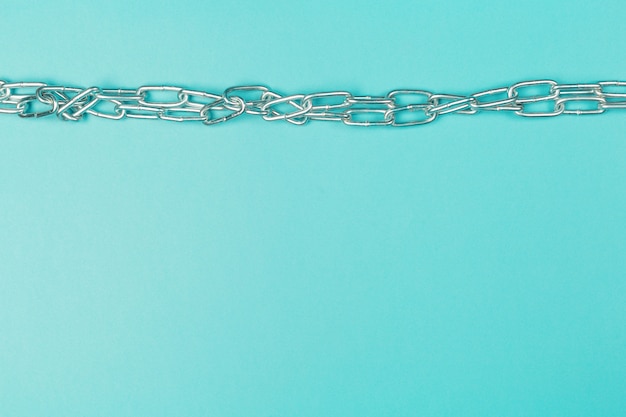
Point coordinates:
[(537, 98)]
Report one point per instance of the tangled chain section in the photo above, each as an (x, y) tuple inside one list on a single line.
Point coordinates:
[(536, 98)]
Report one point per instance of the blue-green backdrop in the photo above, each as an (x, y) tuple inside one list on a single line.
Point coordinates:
[(472, 267)]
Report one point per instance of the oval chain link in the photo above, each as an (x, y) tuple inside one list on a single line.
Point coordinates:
[(402, 107)]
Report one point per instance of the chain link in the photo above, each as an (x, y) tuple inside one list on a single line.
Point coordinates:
[(535, 98)]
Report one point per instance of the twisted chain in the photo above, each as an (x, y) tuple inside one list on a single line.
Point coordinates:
[(537, 98)]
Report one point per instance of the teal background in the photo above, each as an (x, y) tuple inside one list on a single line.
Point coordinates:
[(472, 267)]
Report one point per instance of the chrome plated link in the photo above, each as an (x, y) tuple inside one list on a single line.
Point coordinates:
[(614, 92), (556, 110), (452, 103), (401, 107), (552, 94), (144, 91), (271, 113), (480, 103), (597, 109), (423, 118)]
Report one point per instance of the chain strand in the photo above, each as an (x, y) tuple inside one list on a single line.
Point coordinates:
[(536, 98)]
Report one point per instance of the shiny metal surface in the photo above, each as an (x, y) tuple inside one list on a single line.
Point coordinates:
[(402, 107)]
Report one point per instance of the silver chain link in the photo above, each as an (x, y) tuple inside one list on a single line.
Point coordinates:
[(536, 98)]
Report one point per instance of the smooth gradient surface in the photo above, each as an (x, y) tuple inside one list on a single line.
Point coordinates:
[(473, 267)]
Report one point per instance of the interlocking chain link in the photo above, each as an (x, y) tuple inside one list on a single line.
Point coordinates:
[(536, 98)]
